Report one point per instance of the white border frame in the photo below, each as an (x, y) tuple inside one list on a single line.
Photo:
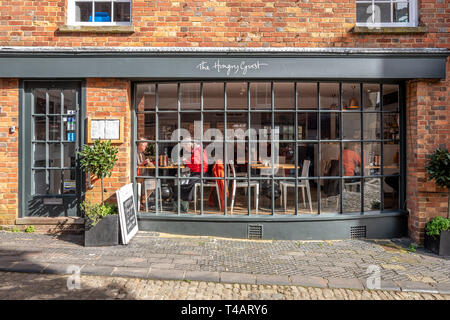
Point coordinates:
[(122, 194), (413, 15), (71, 14)]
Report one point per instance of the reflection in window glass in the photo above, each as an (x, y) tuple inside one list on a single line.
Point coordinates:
[(307, 95), (260, 95), (329, 96), (102, 11), (121, 11), (83, 11), (304, 163)]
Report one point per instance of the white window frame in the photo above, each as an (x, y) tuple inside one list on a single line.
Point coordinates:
[(413, 15), (71, 14)]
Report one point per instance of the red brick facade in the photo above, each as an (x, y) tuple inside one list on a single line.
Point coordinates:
[(225, 23)]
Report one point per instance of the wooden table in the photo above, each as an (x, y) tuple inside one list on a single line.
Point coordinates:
[(280, 166)]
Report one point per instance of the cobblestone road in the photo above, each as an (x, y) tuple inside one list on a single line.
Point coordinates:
[(38, 286), (151, 256)]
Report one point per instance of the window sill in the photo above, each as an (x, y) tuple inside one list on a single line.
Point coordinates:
[(388, 30), (96, 29)]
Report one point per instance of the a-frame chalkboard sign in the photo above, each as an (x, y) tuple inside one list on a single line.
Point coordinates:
[(127, 213)]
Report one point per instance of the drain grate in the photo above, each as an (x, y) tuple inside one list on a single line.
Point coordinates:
[(357, 232), (255, 231)]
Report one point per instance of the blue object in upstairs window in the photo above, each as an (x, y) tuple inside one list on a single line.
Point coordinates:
[(101, 17)]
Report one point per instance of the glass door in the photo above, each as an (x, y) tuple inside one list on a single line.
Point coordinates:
[(51, 140)]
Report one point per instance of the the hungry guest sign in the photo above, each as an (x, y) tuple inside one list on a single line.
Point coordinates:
[(127, 213)]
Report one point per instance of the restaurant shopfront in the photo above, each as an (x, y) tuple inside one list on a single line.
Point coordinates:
[(292, 144)]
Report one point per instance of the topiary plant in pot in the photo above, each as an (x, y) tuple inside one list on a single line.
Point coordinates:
[(101, 220), (437, 235)]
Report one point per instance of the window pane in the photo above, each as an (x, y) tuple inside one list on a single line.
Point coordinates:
[(364, 12), (70, 100), (55, 181), (351, 159), (286, 160), (372, 126), (390, 97), (351, 96), (166, 195), (237, 122), (307, 95), (102, 11), (329, 96), (70, 182), (307, 152), (39, 101), (237, 95), (145, 97), (306, 196), (261, 97), (372, 195), (284, 95), (390, 190), (40, 183), (352, 126), (54, 101), (284, 123), (329, 195), (69, 155), (382, 12), (168, 96), (391, 158), (372, 156), (146, 126), (54, 154), (39, 155), (330, 125), (190, 95), (167, 123), (307, 126), (39, 128), (371, 96), (83, 11), (191, 121), (391, 126), (213, 95), (213, 126), (351, 197), (401, 12), (145, 158), (330, 154), (121, 11), (261, 123), (54, 128)]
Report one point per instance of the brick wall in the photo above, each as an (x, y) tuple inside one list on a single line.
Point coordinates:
[(9, 148), (428, 128), (229, 23), (110, 98)]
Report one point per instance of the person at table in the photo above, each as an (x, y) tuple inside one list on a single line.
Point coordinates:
[(142, 161), (195, 156), (350, 160)]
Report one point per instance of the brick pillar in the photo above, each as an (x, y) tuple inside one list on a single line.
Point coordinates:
[(111, 98), (9, 151), (427, 128)]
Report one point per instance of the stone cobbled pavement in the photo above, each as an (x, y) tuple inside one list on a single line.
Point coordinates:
[(161, 266), (23, 286)]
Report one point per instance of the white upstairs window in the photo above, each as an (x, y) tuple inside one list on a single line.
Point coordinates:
[(386, 13), (99, 13)]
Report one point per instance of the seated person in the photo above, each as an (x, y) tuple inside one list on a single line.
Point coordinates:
[(196, 154), (350, 160)]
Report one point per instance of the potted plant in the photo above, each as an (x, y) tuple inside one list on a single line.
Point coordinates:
[(437, 235), (101, 220)]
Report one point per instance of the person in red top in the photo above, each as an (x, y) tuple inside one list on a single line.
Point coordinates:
[(194, 164), (350, 160)]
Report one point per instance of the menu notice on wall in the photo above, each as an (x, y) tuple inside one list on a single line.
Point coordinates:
[(127, 213)]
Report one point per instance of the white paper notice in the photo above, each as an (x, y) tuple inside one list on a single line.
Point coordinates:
[(112, 129), (97, 129)]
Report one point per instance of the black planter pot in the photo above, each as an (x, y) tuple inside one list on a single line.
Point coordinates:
[(104, 233), (440, 245)]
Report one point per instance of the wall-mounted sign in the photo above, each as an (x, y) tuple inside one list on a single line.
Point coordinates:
[(105, 129), (240, 68), (53, 201), (127, 213)]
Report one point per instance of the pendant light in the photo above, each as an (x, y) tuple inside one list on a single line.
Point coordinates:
[(353, 104)]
